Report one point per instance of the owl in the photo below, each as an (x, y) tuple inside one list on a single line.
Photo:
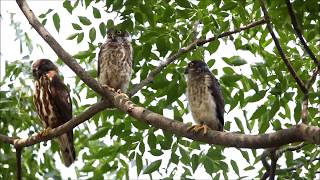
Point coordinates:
[(204, 97), (53, 104), (115, 61)]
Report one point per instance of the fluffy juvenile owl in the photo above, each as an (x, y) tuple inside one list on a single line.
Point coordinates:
[(53, 104), (205, 98), (115, 60)]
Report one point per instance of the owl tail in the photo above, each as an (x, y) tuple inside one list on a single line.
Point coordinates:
[(68, 153)]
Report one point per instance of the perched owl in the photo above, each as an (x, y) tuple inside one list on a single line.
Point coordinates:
[(53, 104), (205, 98), (115, 60)]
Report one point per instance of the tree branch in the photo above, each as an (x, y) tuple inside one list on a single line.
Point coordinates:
[(84, 116), (188, 48), (7, 139), (313, 78), (280, 50), (298, 31), (18, 163), (295, 134)]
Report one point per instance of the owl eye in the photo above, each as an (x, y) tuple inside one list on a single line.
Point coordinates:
[(118, 32), (190, 64)]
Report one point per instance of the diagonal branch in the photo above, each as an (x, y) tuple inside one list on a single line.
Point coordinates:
[(280, 50), (188, 48), (298, 31)]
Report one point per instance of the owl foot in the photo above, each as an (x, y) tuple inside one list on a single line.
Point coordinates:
[(45, 132), (197, 128)]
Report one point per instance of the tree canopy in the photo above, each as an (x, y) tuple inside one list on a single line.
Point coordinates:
[(271, 103)]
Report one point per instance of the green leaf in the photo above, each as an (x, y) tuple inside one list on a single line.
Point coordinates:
[(213, 46), (274, 108), (208, 165), (257, 96), (80, 37), (229, 6), (103, 30), (72, 36), (183, 3), (194, 162), (152, 167), (259, 112), (67, 6), (117, 5), (239, 124), (139, 163), (92, 34), (96, 13), (156, 152), (231, 78), (56, 21), (234, 61), (76, 26), (152, 141), (84, 20), (100, 133), (235, 167)]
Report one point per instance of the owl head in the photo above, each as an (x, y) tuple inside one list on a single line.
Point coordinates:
[(196, 66), (118, 36), (41, 67)]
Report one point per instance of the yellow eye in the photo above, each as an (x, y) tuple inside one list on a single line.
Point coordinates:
[(190, 64), (118, 32)]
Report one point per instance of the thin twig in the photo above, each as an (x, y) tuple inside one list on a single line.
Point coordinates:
[(299, 33), (273, 166), (18, 163), (194, 44), (280, 50)]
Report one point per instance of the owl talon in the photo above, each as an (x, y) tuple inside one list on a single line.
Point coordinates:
[(45, 132), (197, 128)]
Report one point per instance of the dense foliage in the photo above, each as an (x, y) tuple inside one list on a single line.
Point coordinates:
[(261, 97)]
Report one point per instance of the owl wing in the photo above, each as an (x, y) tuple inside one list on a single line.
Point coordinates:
[(99, 58), (60, 98), (217, 95)]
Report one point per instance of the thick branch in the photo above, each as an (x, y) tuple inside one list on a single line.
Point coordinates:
[(297, 133), (280, 50), (194, 44), (298, 31)]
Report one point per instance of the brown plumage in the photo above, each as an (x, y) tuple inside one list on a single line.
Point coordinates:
[(205, 97), (53, 104), (115, 60)]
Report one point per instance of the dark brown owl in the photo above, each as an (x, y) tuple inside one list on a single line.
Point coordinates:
[(53, 104), (115, 60), (205, 98)]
